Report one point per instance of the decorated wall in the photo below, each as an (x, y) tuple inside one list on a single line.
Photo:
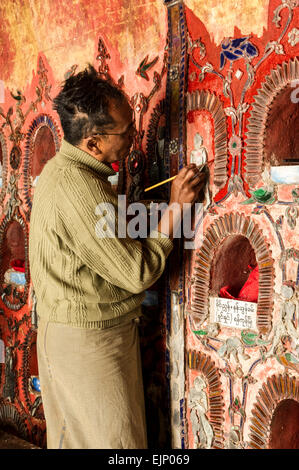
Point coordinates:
[(215, 84), (241, 284)]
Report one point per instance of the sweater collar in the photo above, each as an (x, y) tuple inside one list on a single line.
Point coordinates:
[(74, 153)]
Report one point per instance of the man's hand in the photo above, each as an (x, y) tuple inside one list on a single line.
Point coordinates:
[(187, 185), (184, 189)]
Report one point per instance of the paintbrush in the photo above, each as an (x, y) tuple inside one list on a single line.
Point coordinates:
[(161, 182), (167, 181)]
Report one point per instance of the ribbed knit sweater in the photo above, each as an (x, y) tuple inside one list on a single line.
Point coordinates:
[(79, 278)]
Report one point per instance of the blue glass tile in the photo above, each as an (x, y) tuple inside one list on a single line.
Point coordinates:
[(251, 49), (238, 41), (35, 383), (222, 60), (230, 56)]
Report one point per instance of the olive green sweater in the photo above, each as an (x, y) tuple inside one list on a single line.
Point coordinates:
[(79, 277)]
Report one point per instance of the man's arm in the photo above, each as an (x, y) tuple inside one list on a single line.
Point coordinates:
[(131, 264)]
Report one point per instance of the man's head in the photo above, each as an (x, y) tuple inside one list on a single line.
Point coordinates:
[(95, 116)]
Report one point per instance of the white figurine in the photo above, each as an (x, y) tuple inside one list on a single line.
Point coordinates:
[(285, 326), (198, 403), (199, 156), (233, 347)]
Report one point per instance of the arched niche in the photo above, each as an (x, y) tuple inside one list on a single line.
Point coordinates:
[(43, 150), (284, 427), (281, 139), (42, 143), (272, 136), (230, 265), (3, 167), (227, 231), (200, 364), (14, 273), (204, 101), (13, 245), (275, 415)]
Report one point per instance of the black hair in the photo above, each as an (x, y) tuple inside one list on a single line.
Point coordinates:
[(83, 102)]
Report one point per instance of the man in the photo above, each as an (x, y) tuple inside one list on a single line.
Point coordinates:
[(89, 288)]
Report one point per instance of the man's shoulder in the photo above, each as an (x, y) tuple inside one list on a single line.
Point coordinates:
[(69, 168), (78, 182), (69, 182), (58, 172), (76, 176)]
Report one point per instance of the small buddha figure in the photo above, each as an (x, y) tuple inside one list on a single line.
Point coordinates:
[(199, 156), (198, 404)]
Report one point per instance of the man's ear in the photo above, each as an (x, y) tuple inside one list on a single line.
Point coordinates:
[(94, 145)]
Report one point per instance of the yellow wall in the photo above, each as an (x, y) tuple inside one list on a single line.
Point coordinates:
[(66, 31), (220, 17)]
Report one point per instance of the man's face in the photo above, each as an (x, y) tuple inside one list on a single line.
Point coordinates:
[(115, 146)]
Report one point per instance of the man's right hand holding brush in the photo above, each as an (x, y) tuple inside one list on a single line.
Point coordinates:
[(185, 189)]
